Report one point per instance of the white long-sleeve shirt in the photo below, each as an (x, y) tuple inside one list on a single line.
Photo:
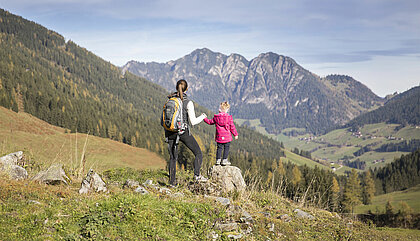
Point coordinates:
[(191, 114)]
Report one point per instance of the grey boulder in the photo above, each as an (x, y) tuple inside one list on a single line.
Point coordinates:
[(229, 177), (9, 166), (92, 183), (54, 175)]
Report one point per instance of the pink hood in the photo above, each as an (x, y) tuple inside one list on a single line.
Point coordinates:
[(224, 127)]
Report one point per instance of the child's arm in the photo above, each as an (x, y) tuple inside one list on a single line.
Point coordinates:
[(233, 128), (209, 121)]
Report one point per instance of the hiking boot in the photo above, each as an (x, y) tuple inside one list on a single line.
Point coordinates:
[(218, 162), (200, 179), (225, 162)]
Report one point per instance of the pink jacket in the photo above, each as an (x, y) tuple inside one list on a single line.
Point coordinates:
[(224, 127)]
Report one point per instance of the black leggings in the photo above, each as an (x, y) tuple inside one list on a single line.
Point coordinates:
[(222, 147), (192, 144)]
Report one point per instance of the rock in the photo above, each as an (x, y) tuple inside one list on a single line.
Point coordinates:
[(248, 230), (229, 177), (141, 190), (92, 182), (235, 236), (178, 194), (131, 184), (285, 218), (270, 227), (222, 200), (302, 214), (148, 182), (9, 166), (205, 188), (226, 227), (246, 217), (54, 175), (14, 172), (165, 190), (12, 158), (266, 214), (213, 236), (34, 202)]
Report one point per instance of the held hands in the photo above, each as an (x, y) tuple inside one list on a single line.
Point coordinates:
[(204, 114), (236, 137)]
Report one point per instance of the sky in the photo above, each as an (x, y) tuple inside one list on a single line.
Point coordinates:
[(377, 42)]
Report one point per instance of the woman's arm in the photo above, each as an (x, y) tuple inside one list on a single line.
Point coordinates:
[(191, 114)]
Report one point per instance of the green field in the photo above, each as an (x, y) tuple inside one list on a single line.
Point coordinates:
[(300, 160), (411, 196), (46, 144), (290, 156), (340, 144)]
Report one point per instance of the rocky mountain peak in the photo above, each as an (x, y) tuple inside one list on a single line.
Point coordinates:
[(271, 87)]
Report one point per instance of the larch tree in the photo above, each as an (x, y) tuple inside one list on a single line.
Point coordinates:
[(296, 176), (368, 188), (335, 188), (352, 192)]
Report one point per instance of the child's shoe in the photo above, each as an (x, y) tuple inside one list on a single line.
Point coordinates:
[(218, 162), (225, 162)]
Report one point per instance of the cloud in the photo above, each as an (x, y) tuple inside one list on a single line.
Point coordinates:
[(328, 30)]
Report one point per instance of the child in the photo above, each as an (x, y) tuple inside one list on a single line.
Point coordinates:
[(224, 128)]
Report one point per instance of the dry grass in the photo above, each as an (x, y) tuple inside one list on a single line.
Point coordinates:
[(46, 144)]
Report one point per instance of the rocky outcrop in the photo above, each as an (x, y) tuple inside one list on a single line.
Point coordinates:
[(302, 214), (9, 166), (92, 183), (228, 177), (131, 184), (54, 175)]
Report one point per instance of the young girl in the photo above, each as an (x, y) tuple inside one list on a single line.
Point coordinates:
[(224, 130)]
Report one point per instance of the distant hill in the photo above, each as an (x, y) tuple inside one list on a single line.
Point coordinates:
[(402, 109), (270, 87)]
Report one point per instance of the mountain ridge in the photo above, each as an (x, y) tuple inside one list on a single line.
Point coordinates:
[(270, 87)]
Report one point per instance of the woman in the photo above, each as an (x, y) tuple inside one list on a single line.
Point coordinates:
[(184, 136)]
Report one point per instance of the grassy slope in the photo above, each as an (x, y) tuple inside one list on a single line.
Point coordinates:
[(45, 144), (29, 211), (411, 196)]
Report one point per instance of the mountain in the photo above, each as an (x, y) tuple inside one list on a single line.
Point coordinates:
[(270, 87), (68, 86), (401, 109)]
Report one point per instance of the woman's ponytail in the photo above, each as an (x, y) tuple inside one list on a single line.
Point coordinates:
[(181, 87)]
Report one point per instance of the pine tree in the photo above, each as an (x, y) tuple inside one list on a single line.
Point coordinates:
[(352, 192), (405, 214), (389, 208)]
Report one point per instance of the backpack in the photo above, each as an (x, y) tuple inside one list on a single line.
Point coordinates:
[(172, 116)]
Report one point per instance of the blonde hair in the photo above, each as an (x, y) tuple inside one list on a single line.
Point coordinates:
[(224, 106)]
